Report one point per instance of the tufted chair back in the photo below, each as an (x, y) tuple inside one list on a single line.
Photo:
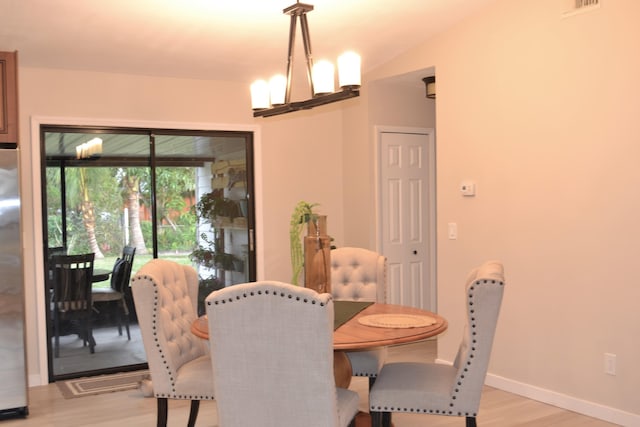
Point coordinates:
[(272, 356), (358, 274), (165, 295)]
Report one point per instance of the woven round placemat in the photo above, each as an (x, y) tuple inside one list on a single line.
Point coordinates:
[(397, 320)]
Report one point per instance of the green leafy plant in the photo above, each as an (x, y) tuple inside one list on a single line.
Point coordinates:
[(302, 213), (205, 287), (212, 256), (213, 206)]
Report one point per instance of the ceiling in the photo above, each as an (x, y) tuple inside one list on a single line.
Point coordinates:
[(238, 40)]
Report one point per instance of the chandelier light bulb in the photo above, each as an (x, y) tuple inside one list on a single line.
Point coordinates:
[(278, 89), (88, 149), (349, 70), (322, 76), (260, 95)]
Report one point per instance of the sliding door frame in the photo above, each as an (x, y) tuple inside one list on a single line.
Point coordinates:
[(37, 334)]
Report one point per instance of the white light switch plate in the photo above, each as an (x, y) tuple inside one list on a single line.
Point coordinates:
[(453, 231)]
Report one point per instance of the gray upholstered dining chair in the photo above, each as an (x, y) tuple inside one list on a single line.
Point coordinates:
[(165, 295), (454, 390), (272, 357), (358, 274)]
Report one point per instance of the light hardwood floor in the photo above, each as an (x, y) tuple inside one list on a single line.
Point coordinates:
[(47, 407)]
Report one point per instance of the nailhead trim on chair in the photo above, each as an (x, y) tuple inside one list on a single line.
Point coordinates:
[(460, 379), (156, 338), (156, 302), (266, 292), (474, 341)]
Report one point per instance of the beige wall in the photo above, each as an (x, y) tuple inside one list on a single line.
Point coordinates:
[(390, 103), (541, 113), (298, 157)]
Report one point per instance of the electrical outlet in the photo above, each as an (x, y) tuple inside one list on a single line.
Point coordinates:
[(609, 363)]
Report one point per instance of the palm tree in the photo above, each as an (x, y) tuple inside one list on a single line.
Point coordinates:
[(131, 180), (88, 213)]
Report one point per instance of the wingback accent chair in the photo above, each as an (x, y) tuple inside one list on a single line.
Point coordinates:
[(455, 390), (358, 274), (165, 295), (272, 356)]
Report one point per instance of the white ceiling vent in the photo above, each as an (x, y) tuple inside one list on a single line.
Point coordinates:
[(575, 7)]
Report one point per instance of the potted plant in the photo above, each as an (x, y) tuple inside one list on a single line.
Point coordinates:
[(219, 211), (212, 256), (216, 209), (205, 287), (302, 214)]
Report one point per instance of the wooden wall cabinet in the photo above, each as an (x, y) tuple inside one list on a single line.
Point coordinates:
[(8, 97)]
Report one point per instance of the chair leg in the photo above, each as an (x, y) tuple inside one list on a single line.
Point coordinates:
[(89, 337), (125, 311), (92, 342), (386, 419), (193, 413), (380, 419), (376, 419), (119, 319), (471, 421), (126, 325), (162, 411)]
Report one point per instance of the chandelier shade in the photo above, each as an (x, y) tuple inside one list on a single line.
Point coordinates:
[(430, 86), (274, 97)]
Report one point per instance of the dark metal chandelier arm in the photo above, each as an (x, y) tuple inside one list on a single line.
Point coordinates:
[(345, 93), (292, 41), (307, 49), (299, 10)]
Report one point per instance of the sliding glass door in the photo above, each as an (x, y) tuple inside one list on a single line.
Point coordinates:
[(142, 189)]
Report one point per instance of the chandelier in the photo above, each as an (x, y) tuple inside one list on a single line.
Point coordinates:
[(90, 149), (274, 97)]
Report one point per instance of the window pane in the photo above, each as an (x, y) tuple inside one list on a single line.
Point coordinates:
[(98, 205), (209, 222)]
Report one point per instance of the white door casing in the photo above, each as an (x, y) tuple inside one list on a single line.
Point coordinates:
[(406, 195)]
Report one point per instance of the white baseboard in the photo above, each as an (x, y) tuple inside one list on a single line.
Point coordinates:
[(550, 397)]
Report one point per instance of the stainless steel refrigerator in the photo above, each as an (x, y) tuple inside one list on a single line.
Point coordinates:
[(13, 375)]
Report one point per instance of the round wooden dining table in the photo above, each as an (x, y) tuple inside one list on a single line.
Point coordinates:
[(358, 334)]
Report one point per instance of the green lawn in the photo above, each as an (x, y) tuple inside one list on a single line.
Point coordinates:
[(107, 263)]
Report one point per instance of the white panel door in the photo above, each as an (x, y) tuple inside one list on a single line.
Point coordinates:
[(407, 214)]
